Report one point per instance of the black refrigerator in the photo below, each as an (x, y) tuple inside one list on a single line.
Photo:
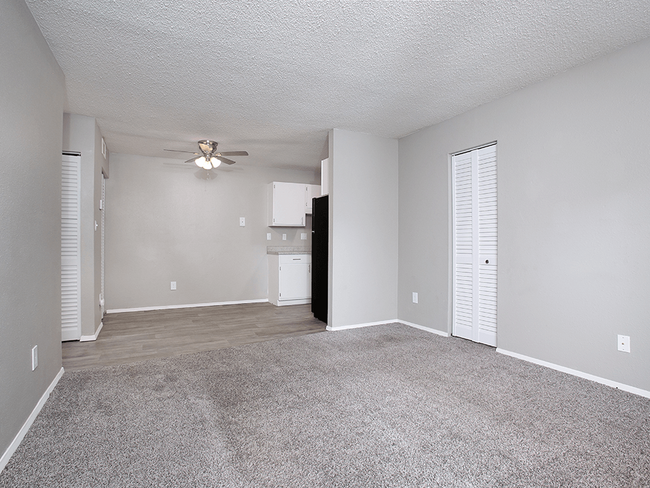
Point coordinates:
[(319, 252)]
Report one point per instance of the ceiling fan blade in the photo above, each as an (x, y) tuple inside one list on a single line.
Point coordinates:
[(233, 153), (224, 160), (193, 160), (176, 150)]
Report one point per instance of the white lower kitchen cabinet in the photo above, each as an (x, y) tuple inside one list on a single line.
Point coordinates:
[(289, 279)]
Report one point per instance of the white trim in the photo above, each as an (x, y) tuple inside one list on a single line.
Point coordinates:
[(480, 146), (426, 329), (450, 244), (28, 423), (384, 322), (580, 374), (84, 338), (297, 301), (358, 326), (191, 305)]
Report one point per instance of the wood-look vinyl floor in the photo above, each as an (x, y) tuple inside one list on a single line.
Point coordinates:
[(136, 336)]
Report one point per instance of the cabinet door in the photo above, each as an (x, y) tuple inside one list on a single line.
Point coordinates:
[(295, 279), (287, 205), (295, 282)]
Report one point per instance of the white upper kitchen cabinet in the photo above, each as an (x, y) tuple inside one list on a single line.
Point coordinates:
[(311, 191), (286, 204)]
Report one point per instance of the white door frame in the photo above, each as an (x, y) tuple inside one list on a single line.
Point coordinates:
[(102, 299)]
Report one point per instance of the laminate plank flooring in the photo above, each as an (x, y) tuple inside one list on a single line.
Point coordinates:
[(136, 336)]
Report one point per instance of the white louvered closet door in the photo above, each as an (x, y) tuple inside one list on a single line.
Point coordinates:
[(474, 213), (70, 248)]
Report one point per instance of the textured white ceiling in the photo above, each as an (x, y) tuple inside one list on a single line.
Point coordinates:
[(272, 77)]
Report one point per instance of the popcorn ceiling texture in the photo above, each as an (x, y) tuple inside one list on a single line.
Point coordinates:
[(272, 77)]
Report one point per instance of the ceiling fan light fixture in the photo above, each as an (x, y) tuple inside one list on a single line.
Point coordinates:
[(203, 162), (209, 157)]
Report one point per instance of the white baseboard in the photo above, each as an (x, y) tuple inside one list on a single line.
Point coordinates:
[(426, 329), (383, 322), (357, 326), (580, 374), (28, 423), (93, 337), (191, 305), (282, 303)]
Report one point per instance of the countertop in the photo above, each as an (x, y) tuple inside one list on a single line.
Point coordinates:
[(287, 250)]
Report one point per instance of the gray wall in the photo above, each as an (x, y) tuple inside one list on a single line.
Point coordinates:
[(81, 134), (363, 228), (574, 211), (31, 109), (165, 224)]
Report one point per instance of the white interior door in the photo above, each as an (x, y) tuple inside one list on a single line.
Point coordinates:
[(474, 214), (70, 248)]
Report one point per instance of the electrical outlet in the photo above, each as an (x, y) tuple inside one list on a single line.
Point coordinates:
[(242, 221), (173, 285), (415, 297), (624, 343), (268, 236), (34, 357)]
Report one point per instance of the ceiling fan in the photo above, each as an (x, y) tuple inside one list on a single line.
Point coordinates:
[(209, 158)]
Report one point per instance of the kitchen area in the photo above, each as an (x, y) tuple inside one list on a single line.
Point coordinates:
[(298, 274)]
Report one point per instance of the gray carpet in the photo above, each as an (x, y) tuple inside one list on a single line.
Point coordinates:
[(381, 406)]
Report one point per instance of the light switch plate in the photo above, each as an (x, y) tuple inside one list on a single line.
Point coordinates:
[(173, 285), (303, 236), (284, 237), (268, 236), (242, 221), (415, 297)]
